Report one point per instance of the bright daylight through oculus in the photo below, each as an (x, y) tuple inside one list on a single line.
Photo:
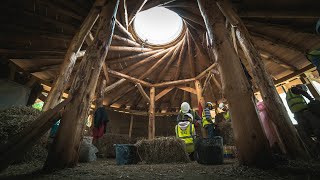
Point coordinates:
[(158, 26)]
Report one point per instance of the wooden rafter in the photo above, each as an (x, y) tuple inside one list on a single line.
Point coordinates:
[(136, 9), (135, 57), (163, 93), (143, 92)]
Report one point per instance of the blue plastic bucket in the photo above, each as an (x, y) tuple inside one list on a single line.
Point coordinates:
[(126, 154)]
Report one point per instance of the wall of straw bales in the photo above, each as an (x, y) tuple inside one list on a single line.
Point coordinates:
[(119, 124)]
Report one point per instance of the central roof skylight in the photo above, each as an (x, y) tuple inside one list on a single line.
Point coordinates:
[(158, 26)]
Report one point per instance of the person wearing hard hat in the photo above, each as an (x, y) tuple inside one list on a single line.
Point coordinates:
[(207, 120), (185, 108), (226, 113), (307, 121), (185, 131)]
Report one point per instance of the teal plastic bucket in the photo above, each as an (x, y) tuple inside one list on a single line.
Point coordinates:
[(126, 154)]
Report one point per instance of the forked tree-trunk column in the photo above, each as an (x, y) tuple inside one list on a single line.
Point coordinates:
[(251, 141), (279, 115), (70, 58), (100, 92), (65, 149), (151, 129), (201, 101)]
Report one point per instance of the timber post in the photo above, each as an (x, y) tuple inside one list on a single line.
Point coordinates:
[(70, 58), (130, 126), (151, 127), (275, 107), (65, 149), (250, 139), (201, 101)]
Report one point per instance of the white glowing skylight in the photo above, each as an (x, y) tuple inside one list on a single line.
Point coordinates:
[(158, 26)]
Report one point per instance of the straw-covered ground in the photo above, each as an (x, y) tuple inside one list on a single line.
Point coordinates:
[(107, 169)]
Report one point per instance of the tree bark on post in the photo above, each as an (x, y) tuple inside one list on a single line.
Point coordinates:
[(151, 129), (250, 139), (100, 92), (201, 101), (279, 115), (65, 149), (70, 58)]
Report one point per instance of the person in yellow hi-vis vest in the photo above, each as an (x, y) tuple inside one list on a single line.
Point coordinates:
[(309, 122), (185, 131), (207, 122)]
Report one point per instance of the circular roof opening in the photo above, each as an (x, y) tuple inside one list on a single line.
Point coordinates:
[(158, 26)]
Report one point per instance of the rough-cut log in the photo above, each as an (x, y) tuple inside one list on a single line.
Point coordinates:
[(130, 126), (174, 83), (148, 59), (188, 89), (124, 31), (133, 57), (140, 113), (151, 129), (129, 78), (182, 55), (206, 82), (136, 9), (125, 41), (105, 72), (294, 74), (158, 63), (216, 82), (202, 102), (143, 93), (19, 144), (250, 139), (191, 55), (163, 93), (154, 3), (60, 83), (100, 92), (114, 85), (275, 107), (203, 73), (128, 49), (277, 60), (170, 61), (64, 152), (126, 19), (185, 14)]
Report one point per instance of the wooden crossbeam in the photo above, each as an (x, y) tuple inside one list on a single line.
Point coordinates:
[(136, 9), (188, 89), (114, 85), (140, 113), (129, 78), (124, 31), (163, 93), (277, 60)]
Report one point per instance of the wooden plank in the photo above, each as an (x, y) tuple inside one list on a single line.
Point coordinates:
[(163, 93)]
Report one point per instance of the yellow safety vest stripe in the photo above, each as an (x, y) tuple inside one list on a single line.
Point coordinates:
[(295, 102)]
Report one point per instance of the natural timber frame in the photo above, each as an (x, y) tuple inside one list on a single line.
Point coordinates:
[(251, 142), (60, 83), (64, 152), (275, 107), (151, 129)]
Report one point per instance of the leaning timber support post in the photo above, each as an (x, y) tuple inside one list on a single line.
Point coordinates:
[(201, 101), (151, 129), (250, 139), (275, 107), (65, 150), (100, 92), (70, 58), (130, 126)]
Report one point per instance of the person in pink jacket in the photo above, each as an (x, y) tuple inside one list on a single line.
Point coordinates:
[(269, 128)]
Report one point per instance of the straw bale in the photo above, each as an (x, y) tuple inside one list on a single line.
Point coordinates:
[(12, 121), (162, 150)]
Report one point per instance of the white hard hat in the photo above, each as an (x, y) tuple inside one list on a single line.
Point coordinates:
[(221, 105), (185, 107), (190, 115)]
